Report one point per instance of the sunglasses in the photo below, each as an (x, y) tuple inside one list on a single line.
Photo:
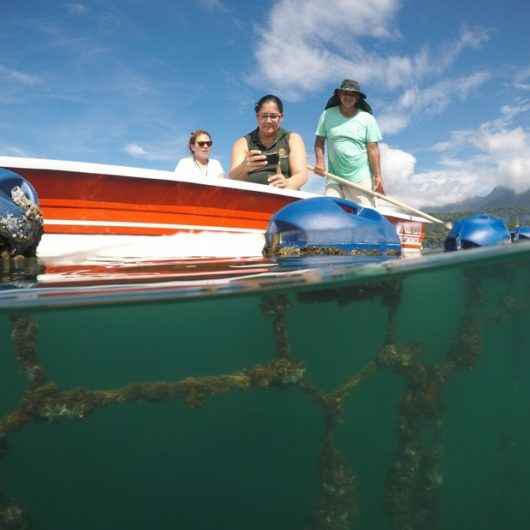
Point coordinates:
[(270, 116), (207, 143)]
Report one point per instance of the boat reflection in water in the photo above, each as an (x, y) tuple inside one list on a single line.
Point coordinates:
[(237, 394)]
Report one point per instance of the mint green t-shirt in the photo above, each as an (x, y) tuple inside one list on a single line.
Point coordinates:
[(347, 139)]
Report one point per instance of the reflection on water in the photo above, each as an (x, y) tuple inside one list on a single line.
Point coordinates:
[(253, 394)]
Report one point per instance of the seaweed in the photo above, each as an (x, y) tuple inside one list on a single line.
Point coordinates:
[(414, 478)]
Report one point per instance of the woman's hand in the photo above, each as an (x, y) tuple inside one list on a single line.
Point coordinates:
[(255, 160), (379, 185), (320, 170), (278, 180)]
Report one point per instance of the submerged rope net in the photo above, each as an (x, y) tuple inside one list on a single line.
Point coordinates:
[(412, 487)]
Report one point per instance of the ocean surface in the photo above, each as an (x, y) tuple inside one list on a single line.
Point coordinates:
[(224, 394)]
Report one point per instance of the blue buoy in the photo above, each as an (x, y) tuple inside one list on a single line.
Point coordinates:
[(20, 218), (481, 230), (330, 226), (521, 233)]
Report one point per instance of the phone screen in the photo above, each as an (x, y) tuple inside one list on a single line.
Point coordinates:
[(272, 159)]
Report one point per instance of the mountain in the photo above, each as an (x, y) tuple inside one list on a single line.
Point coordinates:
[(499, 197)]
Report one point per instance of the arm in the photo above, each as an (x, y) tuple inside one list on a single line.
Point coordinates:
[(297, 163), (374, 160), (238, 169), (320, 149), (244, 161)]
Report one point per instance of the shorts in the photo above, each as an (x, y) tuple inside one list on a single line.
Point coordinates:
[(334, 189)]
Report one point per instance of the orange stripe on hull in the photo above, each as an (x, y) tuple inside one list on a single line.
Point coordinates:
[(111, 230), (86, 214), (115, 199), (124, 199)]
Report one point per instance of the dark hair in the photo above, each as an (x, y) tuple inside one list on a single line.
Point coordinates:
[(265, 99), (193, 137)]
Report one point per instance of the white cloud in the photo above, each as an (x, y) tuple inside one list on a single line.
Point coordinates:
[(12, 150), (76, 9), (210, 4), (18, 77), (469, 38), (474, 161), (397, 167), (305, 44), (516, 171), (522, 78), (437, 97), (390, 123), (439, 187), (502, 143), (164, 150), (432, 100), (135, 150)]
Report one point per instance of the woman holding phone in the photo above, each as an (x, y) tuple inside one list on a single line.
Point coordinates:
[(199, 164), (270, 154)]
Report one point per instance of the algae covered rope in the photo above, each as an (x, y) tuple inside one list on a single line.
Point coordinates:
[(24, 330), (413, 482), (338, 504), (48, 403), (12, 516), (337, 507), (275, 307), (412, 497)]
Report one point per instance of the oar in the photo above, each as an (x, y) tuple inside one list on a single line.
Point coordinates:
[(386, 198)]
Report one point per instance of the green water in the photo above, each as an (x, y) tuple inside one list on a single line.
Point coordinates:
[(433, 433)]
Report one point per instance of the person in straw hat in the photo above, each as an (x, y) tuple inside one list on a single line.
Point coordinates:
[(352, 137)]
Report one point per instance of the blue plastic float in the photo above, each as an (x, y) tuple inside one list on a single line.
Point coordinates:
[(330, 226), (481, 230), (520, 234), (20, 219)]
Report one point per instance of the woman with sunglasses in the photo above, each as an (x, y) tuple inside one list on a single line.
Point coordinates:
[(270, 154), (199, 164)]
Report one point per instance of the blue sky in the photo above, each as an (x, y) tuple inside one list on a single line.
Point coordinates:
[(125, 81)]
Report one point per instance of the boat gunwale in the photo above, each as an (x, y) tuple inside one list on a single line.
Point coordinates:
[(43, 164)]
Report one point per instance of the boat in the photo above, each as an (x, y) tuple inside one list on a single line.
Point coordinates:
[(116, 210)]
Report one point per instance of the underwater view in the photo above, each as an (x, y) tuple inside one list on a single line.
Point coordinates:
[(254, 394)]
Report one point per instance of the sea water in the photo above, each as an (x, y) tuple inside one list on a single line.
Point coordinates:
[(257, 395)]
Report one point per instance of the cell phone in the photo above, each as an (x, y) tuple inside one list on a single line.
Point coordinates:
[(272, 159)]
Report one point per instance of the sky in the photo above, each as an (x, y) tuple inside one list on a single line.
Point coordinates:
[(125, 82)]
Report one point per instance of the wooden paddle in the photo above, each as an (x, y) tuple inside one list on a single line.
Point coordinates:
[(386, 198)]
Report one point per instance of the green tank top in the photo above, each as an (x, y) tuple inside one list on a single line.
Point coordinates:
[(280, 146)]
